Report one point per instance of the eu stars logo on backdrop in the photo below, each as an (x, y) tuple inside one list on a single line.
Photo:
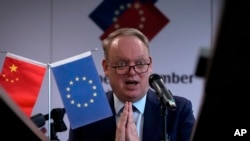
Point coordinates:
[(140, 14)]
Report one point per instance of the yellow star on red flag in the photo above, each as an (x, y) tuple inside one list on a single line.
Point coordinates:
[(13, 68)]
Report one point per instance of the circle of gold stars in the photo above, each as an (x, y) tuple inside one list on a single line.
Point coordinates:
[(74, 102), (137, 6)]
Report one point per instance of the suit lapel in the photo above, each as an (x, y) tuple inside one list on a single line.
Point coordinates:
[(152, 118)]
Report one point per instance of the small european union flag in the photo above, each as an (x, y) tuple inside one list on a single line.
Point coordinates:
[(81, 90)]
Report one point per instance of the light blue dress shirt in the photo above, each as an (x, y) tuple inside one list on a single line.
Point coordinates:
[(138, 116)]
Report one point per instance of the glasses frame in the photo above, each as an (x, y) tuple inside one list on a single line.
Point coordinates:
[(133, 66)]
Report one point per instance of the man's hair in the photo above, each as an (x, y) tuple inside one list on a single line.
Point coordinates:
[(123, 32)]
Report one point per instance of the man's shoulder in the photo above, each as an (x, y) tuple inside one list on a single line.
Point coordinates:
[(177, 98), (180, 98), (182, 102)]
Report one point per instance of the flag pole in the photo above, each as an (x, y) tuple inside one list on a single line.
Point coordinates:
[(49, 99)]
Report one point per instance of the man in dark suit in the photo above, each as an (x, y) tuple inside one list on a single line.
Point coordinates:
[(137, 114)]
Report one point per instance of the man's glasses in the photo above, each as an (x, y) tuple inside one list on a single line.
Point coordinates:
[(138, 68)]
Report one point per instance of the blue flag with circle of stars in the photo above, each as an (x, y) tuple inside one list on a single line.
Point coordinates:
[(81, 90)]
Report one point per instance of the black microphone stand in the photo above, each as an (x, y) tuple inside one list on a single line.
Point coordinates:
[(165, 105), (57, 125), (164, 115), (53, 135)]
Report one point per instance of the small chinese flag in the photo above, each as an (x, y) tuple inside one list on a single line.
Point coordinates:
[(22, 79)]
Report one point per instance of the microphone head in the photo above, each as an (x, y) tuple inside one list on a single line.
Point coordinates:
[(38, 119), (152, 78)]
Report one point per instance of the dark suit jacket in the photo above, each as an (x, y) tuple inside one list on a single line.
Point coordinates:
[(179, 122)]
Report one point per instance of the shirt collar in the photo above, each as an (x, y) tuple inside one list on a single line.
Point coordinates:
[(140, 104), (118, 104)]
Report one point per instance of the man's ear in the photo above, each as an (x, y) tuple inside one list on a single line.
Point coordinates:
[(105, 66), (151, 66)]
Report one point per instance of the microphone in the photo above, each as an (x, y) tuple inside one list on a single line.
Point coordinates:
[(156, 82), (39, 119), (57, 115)]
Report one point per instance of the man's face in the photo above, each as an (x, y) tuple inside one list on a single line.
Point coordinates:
[(128, 51)]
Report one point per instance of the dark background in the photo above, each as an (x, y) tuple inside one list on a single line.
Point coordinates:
[(225, 106)]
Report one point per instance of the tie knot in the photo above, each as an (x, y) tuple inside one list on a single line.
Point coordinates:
[(135, 109), (136, 113), (120, 111)]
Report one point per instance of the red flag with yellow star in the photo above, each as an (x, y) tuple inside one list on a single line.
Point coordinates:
[(22, 79)]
